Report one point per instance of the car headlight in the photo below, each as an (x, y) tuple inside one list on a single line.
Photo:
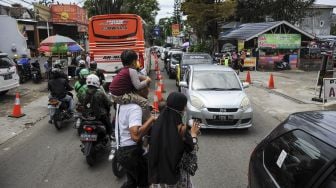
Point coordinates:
[(245, 104), (196, 102)]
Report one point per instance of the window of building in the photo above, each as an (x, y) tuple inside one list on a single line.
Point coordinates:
[(295, 158)]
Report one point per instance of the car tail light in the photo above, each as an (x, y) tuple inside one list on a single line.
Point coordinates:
[(88, 129)]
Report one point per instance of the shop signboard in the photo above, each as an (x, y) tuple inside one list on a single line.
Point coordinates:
[(68, 14), (279, 41), (329, 88), (175, 29), (250, 62)]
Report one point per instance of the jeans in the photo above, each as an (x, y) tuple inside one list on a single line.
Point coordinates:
[(135, 165), (68, 99)]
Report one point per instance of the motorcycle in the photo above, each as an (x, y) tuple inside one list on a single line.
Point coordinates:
[(79, 117), (94, 139), (36, 72), (58, 111), (282, 65)]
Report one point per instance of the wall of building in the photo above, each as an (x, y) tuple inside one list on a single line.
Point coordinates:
[(318, 21)]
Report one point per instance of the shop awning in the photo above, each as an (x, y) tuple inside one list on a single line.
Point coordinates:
[(249, 31)]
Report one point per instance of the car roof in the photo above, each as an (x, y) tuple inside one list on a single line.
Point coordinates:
[(321, 124), (210, 67), (3, 55)]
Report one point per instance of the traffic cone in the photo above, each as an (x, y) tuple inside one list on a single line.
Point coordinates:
[(248, 77), (161, 85), (158, 93), (156, 104), (17, 108), (271, 82)]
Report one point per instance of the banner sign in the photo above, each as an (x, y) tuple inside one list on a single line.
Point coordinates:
[(330, 88), (279, 41), (250, 62), (68, 14), (175, 29)]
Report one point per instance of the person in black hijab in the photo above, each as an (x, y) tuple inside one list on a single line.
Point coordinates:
[(170, 138)]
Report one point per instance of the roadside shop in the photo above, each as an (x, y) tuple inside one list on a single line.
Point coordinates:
[(269, 43)]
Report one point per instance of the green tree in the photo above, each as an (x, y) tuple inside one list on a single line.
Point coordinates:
[(98, 7), (147, 9), (257, 10)]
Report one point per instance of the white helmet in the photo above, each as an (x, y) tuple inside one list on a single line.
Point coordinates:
[(93, 80), (81, 62)]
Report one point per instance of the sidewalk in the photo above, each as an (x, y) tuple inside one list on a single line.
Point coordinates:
[(293, 92), (35, 111)]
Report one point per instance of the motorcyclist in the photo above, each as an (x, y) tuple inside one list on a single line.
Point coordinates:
[(59, 87), (98, 103), (58, 66), (25, 62), (80, 85), (81, 66), (98, 72)]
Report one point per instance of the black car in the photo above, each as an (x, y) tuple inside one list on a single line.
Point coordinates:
[(299, 153)]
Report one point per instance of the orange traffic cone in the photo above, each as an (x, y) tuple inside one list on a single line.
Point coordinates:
[(17, 108), (161, 85), (248, 77), (156, 104), (271, 82), (158, 93)]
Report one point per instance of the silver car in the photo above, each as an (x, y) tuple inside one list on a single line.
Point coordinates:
[(216, 97)]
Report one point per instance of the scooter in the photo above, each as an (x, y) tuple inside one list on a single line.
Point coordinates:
[(282, 65), (58, 111), (36, 72), (94, 139)]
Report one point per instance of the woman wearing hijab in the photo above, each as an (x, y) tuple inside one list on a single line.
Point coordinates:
[(170, 138)]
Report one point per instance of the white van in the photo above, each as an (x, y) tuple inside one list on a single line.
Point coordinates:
[(9, 78)]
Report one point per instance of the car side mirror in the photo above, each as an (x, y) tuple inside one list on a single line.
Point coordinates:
[(246, 85), (183, 84)]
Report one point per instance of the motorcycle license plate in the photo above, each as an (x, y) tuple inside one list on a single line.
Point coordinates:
[(88, 137), (223, 117), (8, 76)]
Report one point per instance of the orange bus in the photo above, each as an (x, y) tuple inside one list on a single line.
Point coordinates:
[(110, 34)]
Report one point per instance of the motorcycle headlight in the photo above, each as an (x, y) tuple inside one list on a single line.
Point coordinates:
[(245, 104), (196, 102)]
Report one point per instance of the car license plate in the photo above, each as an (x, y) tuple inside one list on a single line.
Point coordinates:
[(8, 76), (88, 137), (223, 117)]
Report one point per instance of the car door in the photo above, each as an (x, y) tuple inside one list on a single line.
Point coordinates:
[(8, 76), (186, 78)]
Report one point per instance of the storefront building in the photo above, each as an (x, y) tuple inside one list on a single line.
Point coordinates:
[(268, 42)]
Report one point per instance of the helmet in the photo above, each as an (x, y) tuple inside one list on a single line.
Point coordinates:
[(81, 62), (93, 65), (93, 80), (56, 72), (84, 73)]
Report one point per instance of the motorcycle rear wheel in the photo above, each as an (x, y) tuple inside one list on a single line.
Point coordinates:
[(117, 169), (91, 158), (58, 124)]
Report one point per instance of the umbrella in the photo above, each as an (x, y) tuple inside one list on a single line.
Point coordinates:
[(57, 39), (44, 49), (75, 48)]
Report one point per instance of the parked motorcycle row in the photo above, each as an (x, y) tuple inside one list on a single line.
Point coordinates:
[(28, 70), (95, 142)]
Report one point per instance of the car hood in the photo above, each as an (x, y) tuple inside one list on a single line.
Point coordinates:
[(220, 99)]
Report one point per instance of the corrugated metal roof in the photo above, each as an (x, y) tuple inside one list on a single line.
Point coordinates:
[(249, 31)]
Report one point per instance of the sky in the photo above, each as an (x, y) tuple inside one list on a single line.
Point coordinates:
[(166, 6)]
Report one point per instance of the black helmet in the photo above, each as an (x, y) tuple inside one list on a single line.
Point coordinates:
[(93, 65), (56, 73)]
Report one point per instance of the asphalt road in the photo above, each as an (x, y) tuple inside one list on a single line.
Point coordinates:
[(45, 157)]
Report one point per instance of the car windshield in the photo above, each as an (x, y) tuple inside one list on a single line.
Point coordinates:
[(5, 62), (215, 80), (197, 59)]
